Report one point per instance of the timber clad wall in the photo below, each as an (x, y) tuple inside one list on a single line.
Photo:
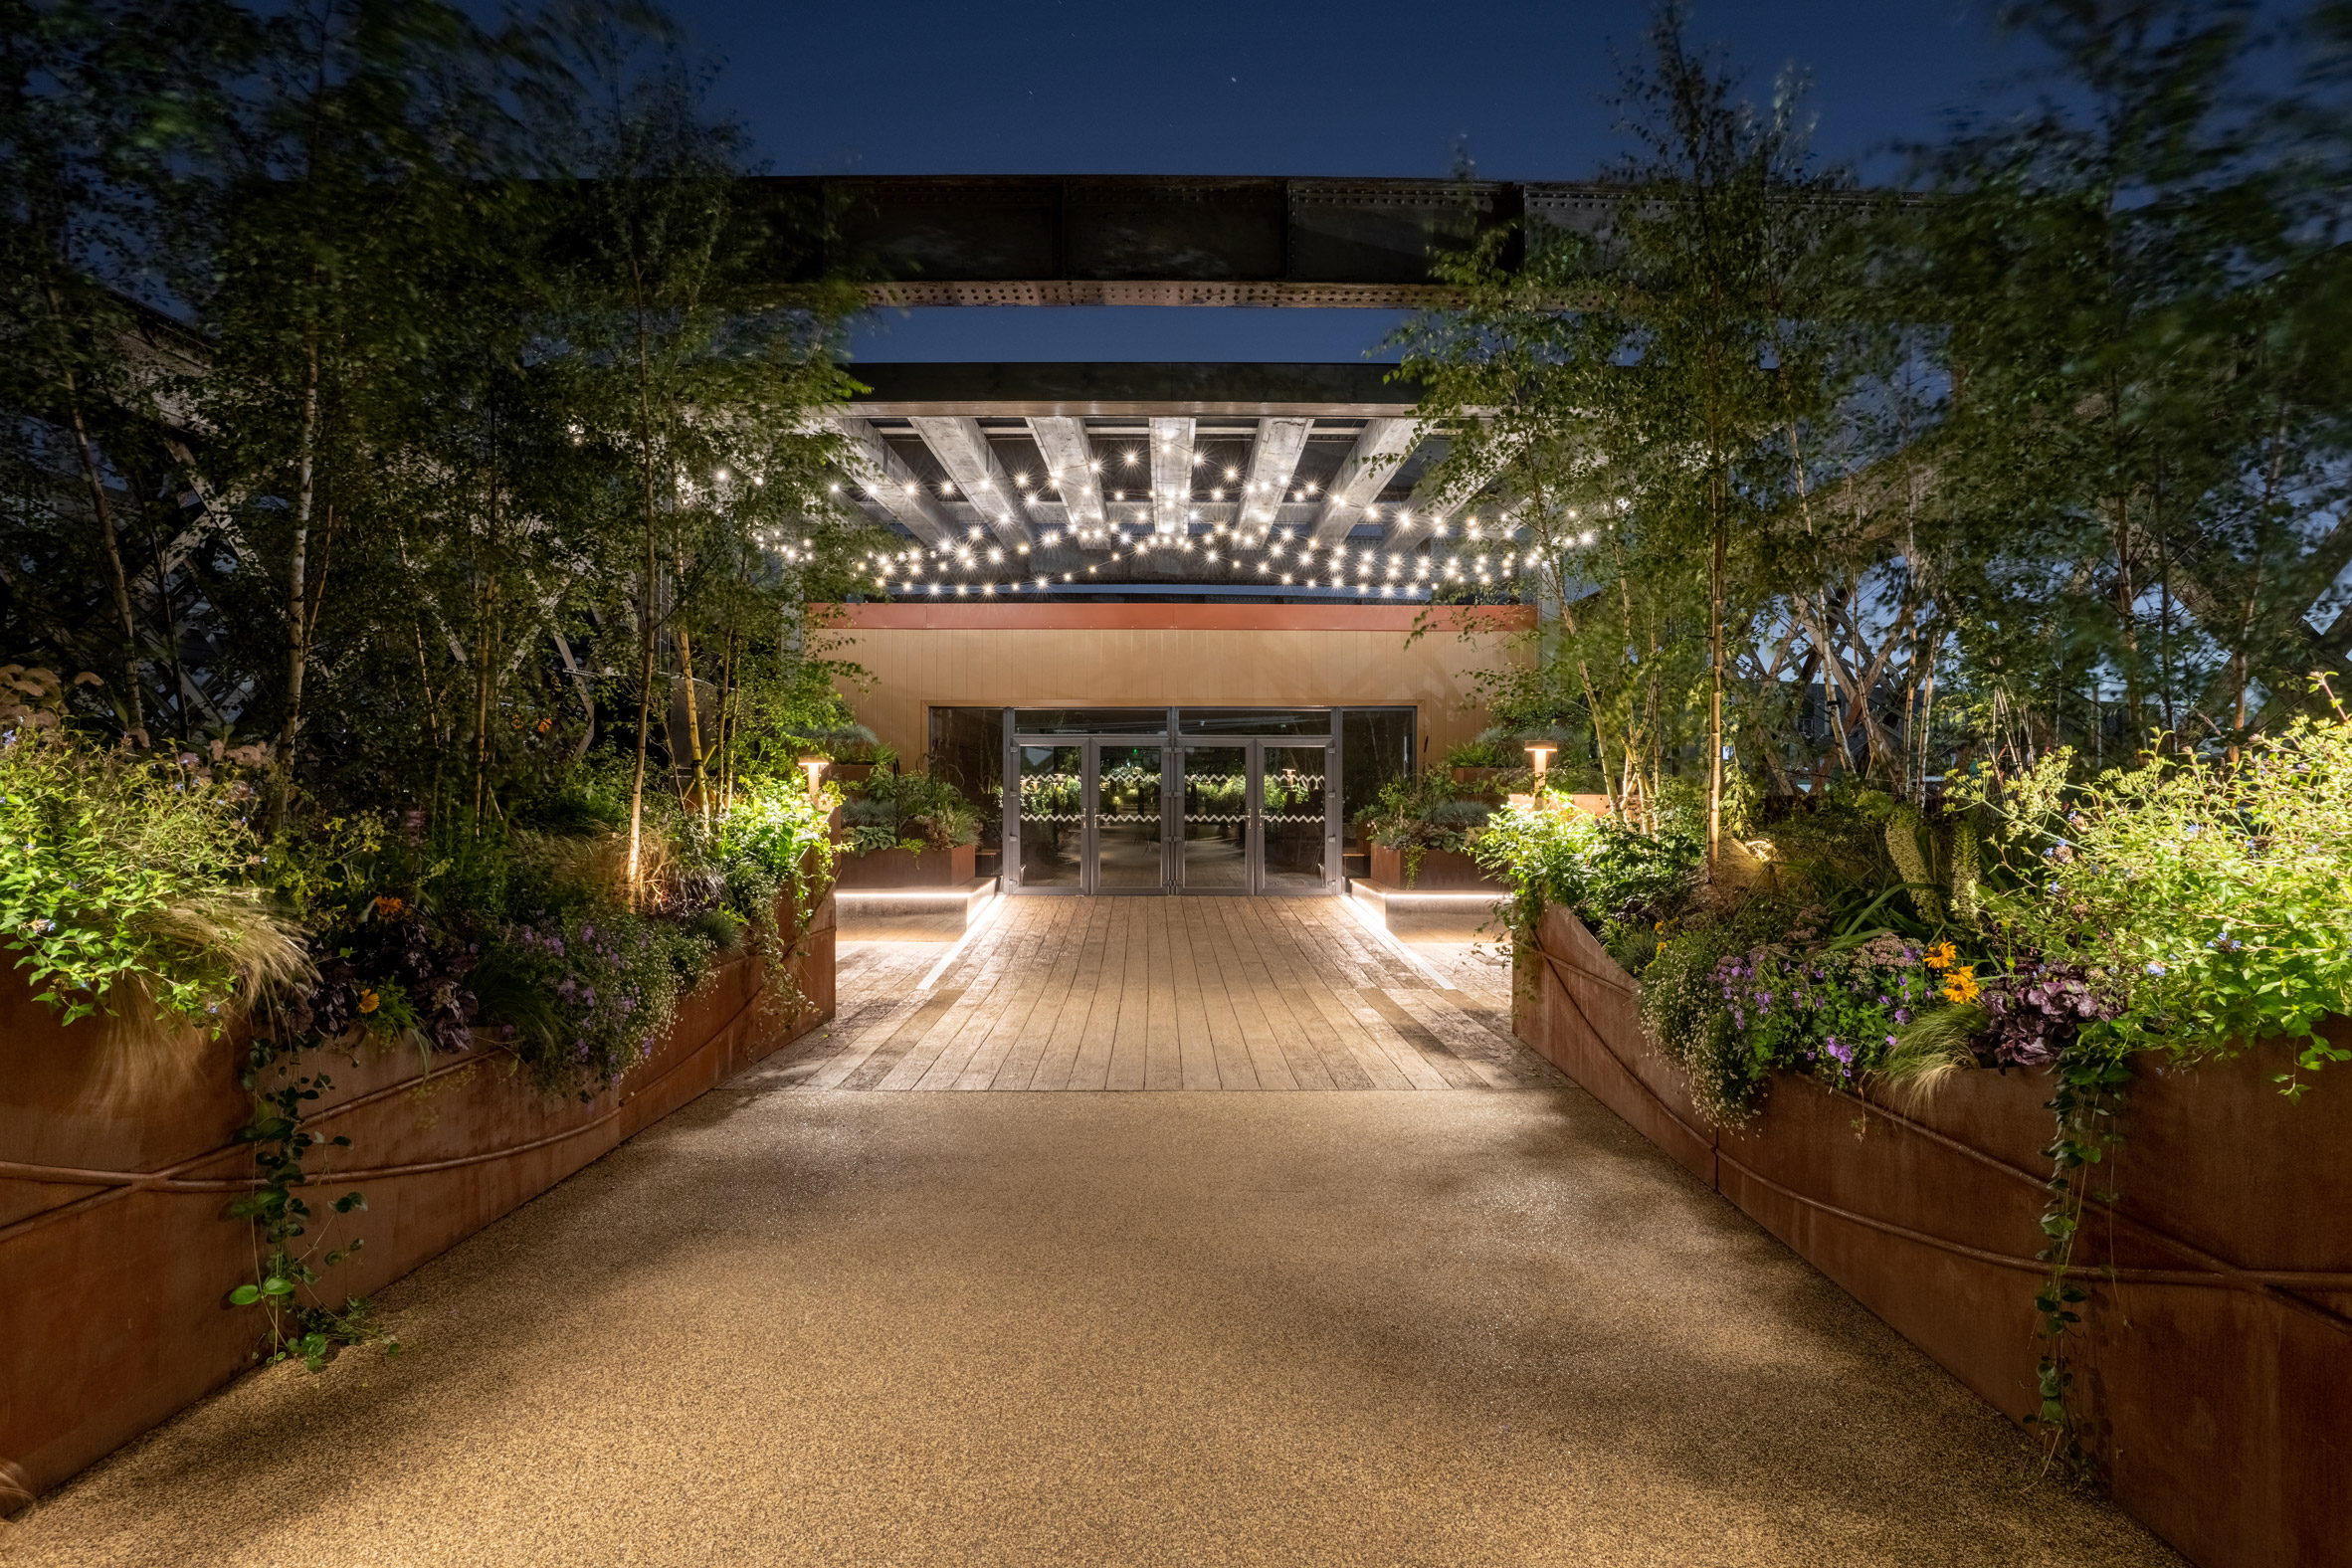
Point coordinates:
[(923, 655)]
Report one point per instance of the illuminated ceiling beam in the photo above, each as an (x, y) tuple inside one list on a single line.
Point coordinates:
[(1379, 448), (1171, 474), (1273, 460), (1068, 453), (963, 451), (1435, 501), (885, 476)]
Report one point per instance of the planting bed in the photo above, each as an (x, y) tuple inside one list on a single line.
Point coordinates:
[(2214, 1361), (116, 1255)]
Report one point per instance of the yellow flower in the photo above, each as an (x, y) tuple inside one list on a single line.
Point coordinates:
[(1960, 987), (368, 1001), (1941, 956)]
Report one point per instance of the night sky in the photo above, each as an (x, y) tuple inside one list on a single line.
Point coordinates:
[(1079, 87)]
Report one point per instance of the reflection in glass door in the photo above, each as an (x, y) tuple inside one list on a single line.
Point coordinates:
[(1293, 816), (1150, 814), (1051, 820), (1215, 842), (1129, 826)]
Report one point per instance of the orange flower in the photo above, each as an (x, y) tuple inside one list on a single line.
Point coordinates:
[(388, 907), (1944, 955), (368, 1001), (1961, 987)]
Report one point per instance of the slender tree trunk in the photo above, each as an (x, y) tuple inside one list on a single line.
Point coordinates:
[(482, 705), (486, 641), (1715, 565), (685, 668), (644, 685), (726, 725), (646, 629), (181, 685), (297, 639), (101, 513)]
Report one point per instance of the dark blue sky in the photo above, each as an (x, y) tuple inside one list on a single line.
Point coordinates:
[(1376, 88)]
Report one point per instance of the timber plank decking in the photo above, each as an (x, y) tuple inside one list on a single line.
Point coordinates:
[(1152, 994)]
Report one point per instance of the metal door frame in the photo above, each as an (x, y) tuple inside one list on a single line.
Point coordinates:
[(1172, 741), (1090, 867), (1089, 749), (1252, 748)]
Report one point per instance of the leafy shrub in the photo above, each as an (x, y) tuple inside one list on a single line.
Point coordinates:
[(908, 810), (1606, 874), (124, 881), (778, 830), (1419, 812), (582, 995), (2204, 900)]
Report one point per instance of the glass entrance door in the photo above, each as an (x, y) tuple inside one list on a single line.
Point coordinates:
[(1156, 814), (1216, 830), (1294, 817), (1257, 818), (1049, 816), (1129, 821)]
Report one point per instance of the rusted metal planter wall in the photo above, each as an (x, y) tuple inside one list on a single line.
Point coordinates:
[(1438, 868), (2214, 1365), (114, 1292), (950, 868)]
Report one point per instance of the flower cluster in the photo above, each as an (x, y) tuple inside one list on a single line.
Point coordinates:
[(1830, 1012), (584, 995), (392, 975)]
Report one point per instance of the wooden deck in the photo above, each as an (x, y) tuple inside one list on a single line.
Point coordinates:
[(1070, 993)]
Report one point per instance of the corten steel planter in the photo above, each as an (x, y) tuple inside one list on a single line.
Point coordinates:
[(907, 869), (1439, 869), (2214, 1363), (116, 1255)]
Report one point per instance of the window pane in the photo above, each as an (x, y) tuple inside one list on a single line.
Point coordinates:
[(1053, 815), (1254, 721), (1091, 720)]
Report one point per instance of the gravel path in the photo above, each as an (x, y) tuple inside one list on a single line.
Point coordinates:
[(1383, 1327)]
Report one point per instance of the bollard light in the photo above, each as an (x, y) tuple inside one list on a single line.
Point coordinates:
[(1541, 751), (816, 770)]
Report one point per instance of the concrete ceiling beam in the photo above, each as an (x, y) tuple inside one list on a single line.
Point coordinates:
[(1273, 462), (963, 451), (891, 485), (1071, 468), (1171, 474), (1380, 447)]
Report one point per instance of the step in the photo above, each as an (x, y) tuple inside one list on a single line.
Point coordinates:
[(962, 900)]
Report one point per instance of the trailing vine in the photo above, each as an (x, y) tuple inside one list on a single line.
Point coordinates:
[(300, 1325), (2090, 1088)]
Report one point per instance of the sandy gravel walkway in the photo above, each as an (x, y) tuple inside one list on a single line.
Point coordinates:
[(788, 1326)]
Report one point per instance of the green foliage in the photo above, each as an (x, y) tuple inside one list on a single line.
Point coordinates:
[(1419, 812), (300, 1323), (582, 994), (125, 875), (1606, 874), (908, 809), (2203, 896)]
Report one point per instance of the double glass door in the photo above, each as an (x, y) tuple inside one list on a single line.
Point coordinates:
[(1136, 814)]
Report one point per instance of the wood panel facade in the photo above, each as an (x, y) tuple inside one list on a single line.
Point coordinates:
[(921, 656)]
